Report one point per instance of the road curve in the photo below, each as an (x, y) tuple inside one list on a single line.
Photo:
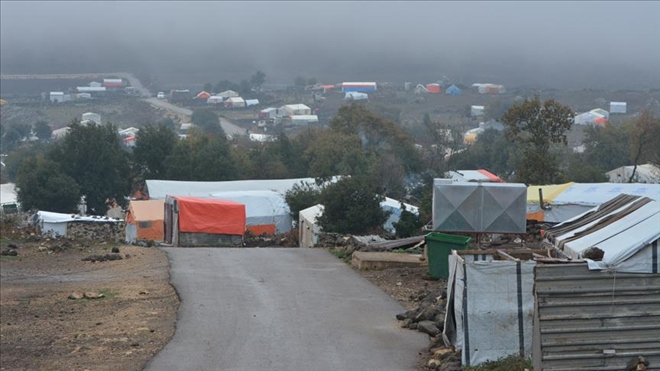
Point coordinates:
[(281, 309)]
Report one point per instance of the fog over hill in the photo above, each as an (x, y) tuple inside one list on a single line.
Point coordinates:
[(570, 45)]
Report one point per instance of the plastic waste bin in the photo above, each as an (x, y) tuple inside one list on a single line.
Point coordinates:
[(439, 247)]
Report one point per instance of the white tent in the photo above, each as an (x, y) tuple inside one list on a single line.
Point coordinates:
[(356, 96), (159, 189), (251, 102), (8, 194), (395, 209), (262, 208), (214, 100), (227, 94), (56, 224), (308, 229), (626, 229)]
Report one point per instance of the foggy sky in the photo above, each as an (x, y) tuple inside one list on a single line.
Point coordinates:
[(553, 44)]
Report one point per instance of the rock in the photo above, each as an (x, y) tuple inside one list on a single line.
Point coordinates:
[(93, 295), (412, 326), (428, 327), (102, 258), (433, 363), (406, 323), (12, 246), (9, 252), (136, 344), (450, 367), (402, 316), (427, 314), (76, 295), (593, 253), (439, 318), (144, 292), (115, 250), (442, 353), (43, 248)]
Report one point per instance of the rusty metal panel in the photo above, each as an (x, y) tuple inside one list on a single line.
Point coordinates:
[(594, 320)]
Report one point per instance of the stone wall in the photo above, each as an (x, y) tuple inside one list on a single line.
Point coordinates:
[(99, 231), (209, 240)]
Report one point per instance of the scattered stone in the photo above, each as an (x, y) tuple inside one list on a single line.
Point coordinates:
[(115, 250), (593, 253), (402, 316), (427, 314), (43, 248), (12, 246), (136, 344), (144, 292), (428, 327), (9, 252), (406, 323), (434, 363), (102, 258), (76, 295), (442, 352)]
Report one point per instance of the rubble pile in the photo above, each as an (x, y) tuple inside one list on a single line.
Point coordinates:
[(110, 231), (429, 318), (288, 239)]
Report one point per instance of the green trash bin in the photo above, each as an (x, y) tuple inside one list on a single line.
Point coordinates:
[(439, 247)]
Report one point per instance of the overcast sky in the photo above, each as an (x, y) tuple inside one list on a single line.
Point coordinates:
[(560, 44)]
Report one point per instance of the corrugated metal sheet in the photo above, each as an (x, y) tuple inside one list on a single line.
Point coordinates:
[(593, 320)]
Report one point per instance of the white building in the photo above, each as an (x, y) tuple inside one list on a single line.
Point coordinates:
[(90, 89), (476, 111), (59, 97), (228, 94), (304, 119)]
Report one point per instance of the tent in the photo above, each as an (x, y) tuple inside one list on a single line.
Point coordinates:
[(453, 90), (355, 96), (191, 221), (203, 95), (8, 194), (550, 192), (159, 189), (214, 100), (57, 224), (433, 88), (235, 102), (394, 207), (266, 211), (565, 202), (626, 228), (144, 221), (251, 102)]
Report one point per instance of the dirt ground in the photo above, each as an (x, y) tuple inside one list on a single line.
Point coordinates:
[(43, 329), (403, 284)]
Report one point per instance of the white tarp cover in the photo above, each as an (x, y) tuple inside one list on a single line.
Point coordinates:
[(629, 242), (55, 224), (261, 208), (159, 189), (7, 193), (354, 95), (394, 207), (251, 102), (490, 308)]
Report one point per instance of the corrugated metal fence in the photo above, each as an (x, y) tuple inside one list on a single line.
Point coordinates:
[(592, 320)]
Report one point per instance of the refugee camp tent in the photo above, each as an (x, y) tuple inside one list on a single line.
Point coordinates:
[(578, 198), (358, 86), (304, 119), (479, 207), (453, 90), (356, 96), (214, 100), (535, 211), (618, 107), (159, 189), (145, 221), (626, 229), (266, 211), (235, 102), (203, 95), (490, 306), (394, 208), (308, 228), (8, 195), (191, 221), (434, 88), (57, 224), (296, 109), (251, 102), (228, 94), (477, 111)]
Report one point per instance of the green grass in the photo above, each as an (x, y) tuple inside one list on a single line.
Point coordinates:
[(341, 254), (6, 258), (108, 294), (510, 363)]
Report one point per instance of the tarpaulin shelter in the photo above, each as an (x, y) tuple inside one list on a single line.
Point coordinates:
[(626, 229), (479, 207), (191, 221), (433, 88), (564, 202), (57, 224), (203, 95), (145, 221), (214, 100), (266, 211), (453, 90), (308, 228), (355, 96)]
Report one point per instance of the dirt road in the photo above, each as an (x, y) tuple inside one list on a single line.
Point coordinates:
[(281, 309), (42, 329)]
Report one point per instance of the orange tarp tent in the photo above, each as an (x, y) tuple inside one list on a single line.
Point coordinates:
[(147, 218), (208, 215)]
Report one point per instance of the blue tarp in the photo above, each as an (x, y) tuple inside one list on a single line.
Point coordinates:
[(453, 90)]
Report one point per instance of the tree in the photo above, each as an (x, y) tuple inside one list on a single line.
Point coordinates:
[(301, 196), (496, 109), (258, 79), (93, 156), (18, 156), (352, 205), (42, 185), (408, 224), (208, 121), (299, 81), (645, 140), (42, 130), (201, 157), (225, 85), (208, 87), (245, 87), (169, 123), (153, 144), (312, 81), (536, 126)]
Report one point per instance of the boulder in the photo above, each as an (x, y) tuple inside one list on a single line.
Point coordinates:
[(428, 327)]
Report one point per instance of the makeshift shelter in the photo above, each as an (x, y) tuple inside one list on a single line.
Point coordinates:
[(8, 199), (145, 221), (356, 96), (535, 209), (565, 202), (618, 107), (60, 225), (646, 173), (160, 189), (228, 94), (433, 88), (214, 100), (195, 222), (304, 119), (479, 207), (358, 86), (626, 229), (270, 113), (476, 111), (453, 90), (235, 102), (203, 95), (251, 102), (296, 109), (490, 306), (308, 228), (267, 212)]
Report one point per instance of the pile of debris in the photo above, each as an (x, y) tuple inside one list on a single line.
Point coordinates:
[(429, 318), (111, 231), (288, 239), (347, 244)]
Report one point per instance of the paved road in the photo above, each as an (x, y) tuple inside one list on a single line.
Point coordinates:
[(281, 309)]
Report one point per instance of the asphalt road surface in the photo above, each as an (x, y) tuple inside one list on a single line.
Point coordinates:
[(281, 309)]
